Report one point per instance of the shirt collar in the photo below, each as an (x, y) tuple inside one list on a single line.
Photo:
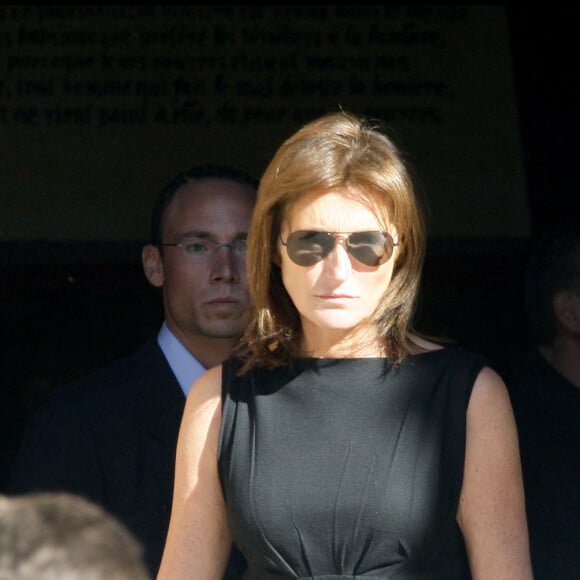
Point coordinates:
[(184, 365)]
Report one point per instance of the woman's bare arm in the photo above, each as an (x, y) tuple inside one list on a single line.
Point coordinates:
[(198, 542), (491, 511)]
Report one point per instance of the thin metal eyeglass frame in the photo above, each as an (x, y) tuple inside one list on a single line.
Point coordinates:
[(229, 245), (336, 236)]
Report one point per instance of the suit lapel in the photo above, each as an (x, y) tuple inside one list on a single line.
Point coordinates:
[(161, 402)]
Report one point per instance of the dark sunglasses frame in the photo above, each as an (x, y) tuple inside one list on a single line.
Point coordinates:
[(298, 242)]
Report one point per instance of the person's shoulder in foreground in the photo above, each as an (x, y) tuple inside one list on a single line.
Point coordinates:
[(339, 442), (546, 398), (112, 436), (64, 536)]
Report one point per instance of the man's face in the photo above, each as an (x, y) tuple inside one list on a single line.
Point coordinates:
[(205, 293)]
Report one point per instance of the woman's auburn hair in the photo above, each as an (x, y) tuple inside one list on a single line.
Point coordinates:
[(331, 152)]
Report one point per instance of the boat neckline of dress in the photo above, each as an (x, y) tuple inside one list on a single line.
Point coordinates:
[(372, 358)]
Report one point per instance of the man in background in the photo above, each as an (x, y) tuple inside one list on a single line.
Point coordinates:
[(546, 401), (111, 436)]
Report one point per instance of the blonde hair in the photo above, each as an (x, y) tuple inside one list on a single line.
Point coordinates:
[(334, 151)]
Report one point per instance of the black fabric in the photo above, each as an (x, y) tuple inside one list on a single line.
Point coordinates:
[(547, 410), (347, 468), (111, 437)]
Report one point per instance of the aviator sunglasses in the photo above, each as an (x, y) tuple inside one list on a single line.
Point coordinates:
[(307, 247)]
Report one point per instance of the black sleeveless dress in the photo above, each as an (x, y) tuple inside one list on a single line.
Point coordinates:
[(348, 468)]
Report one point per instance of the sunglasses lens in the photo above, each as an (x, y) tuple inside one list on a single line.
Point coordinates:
[(370, 248), (305, 248)]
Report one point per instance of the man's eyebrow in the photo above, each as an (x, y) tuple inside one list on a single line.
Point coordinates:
[(194, 234), (204, 234)]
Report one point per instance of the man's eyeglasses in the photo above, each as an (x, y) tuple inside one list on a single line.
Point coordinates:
[(199, 249), (307, 247)]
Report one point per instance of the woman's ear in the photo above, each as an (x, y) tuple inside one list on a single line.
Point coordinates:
[(153, 265), (567, 310)]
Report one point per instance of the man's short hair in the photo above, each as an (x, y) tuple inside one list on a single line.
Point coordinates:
[(165, 196)]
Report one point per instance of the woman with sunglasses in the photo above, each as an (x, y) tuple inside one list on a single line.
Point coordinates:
[(338, 442)]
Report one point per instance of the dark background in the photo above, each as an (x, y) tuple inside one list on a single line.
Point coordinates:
[(61, 320), (544, 44)]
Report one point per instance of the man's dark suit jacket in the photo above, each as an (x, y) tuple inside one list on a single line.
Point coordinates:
[(111, 437)]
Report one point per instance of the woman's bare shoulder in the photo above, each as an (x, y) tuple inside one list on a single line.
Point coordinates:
[(420, 344), (205, 393), (490, 391), (209, 381)]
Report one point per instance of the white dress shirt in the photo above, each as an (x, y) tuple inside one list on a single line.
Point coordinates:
[(184, 365)]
